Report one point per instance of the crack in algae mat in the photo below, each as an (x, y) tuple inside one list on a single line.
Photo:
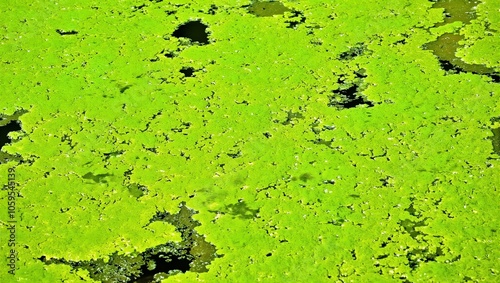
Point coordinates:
[(250, 141)]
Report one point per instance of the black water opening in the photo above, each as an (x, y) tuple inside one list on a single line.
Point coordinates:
[(192, 254), (447, 66), (163, 263), (296, 18), (160, 262), (495, 140), (66, 32), (349, 94), (196, 31), (446, 45), (353, 52), (12, 126), (187, 71), (351, 99), (450, 68)]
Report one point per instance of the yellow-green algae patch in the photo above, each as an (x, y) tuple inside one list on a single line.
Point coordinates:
[(128, 120)]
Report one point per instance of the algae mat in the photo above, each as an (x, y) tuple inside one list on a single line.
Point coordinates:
[(240, 141)]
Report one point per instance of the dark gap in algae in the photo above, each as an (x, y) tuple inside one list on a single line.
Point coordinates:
[(295, 19), (266, 9), (66, 32), (349, 95), (187, 71), (495, 140), (193, 254), (355, 51), (240, 210), (457, 10), (9, 124), (446, 45), (196, 31), (5, 129)]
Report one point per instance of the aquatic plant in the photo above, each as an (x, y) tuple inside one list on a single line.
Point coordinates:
[(312, 142)]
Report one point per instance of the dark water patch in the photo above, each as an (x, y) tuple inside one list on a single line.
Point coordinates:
[(213, 9), (125, 88), (446, 45), (449, 67), (239, 209), (349, 98), (193, 254), (137, 190), (187, 71), (138, 8), (295, 19), (457, 10), (195, 31), (353, 52), (349, 95), (66, 32), (166, 53), (410, 227), (417, 257), (291, 116), (495, 139), (267, 8), (97, 178), (9, 123), (445, 48), (201, 251), (5, 129)]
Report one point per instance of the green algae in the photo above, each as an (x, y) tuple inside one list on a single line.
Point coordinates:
[(193, 253), (445, 47), (321, 144)]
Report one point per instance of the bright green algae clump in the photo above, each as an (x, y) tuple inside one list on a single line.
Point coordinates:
[(321, 143)]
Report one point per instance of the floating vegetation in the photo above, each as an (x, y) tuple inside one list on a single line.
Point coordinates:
[(156, 263), (349, 94), (251, 141), (445, 48), (446, 45)]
